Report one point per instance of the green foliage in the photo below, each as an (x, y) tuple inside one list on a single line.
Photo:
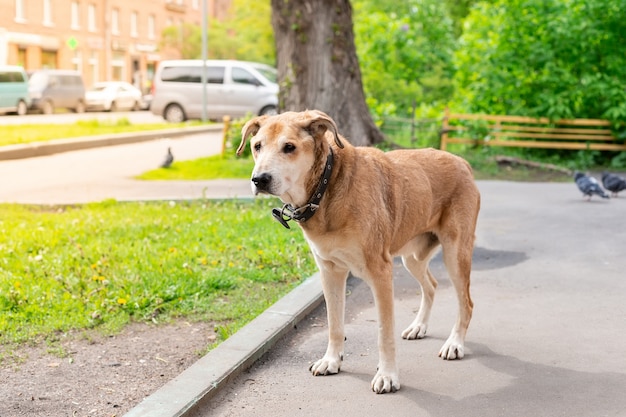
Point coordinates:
[(545, 58), (246, 34), (101, 265), (404, 57), (185, 38), (209, 168)]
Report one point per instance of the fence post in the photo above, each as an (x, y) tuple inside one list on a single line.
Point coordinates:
[(413, 138), (226, 129), (444, 130)]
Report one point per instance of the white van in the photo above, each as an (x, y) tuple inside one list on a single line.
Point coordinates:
[(234, 88), (14, 96)]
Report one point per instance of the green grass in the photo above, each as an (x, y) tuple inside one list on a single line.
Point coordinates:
[(102, 265), (21, 134), (209, 168)]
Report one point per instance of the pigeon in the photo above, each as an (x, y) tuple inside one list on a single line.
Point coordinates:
[(589, 185), (169, 158), (613, 183)]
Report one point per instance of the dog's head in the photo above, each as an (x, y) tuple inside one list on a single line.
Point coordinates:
[(289, 149)]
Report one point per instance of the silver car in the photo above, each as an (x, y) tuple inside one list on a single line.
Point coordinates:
[(234, 88)]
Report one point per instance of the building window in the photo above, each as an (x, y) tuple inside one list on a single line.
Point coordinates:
[(117, 66), (20, 17), (91, 18), (75, 15), (115, 21), (93, 67), (77, 61), (151, 27), (47, 13), (48, 59), (133, 24), (21, 57)]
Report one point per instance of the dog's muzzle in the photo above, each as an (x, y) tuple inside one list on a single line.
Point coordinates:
[(262, 183)]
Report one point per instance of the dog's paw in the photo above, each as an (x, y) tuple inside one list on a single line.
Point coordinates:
[(385, 382), (452, 349), (415, 331), (325, 366)]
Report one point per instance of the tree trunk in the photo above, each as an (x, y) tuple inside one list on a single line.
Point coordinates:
[(318, 67)]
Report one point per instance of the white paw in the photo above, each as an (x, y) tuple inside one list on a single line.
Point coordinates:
[(415, 331), (326, 366), (385, 382), (452, 349)]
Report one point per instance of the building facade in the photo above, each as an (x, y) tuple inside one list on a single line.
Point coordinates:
[(103, 39)]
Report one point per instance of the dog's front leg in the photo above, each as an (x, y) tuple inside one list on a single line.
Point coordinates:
[(334, 286), (386, 378)]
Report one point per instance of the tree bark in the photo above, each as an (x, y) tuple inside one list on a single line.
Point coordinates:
[(318, 67)]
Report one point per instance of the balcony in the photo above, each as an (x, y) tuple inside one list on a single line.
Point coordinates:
[(175, 6)]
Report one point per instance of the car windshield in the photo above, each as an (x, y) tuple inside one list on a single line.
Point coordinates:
[(268, 72), (99, 87), (38, 80)]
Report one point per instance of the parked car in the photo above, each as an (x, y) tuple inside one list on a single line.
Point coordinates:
[(234, 88), (52, 89), (14, 96), (113, 96)]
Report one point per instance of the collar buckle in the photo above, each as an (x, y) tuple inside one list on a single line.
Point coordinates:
[(304, 213)]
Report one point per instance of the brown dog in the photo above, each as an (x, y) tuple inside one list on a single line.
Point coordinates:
[(358, 208)]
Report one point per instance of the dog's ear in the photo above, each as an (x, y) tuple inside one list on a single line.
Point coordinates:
[(250, 129), (320, 123)]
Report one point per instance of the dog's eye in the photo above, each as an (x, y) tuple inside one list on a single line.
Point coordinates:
[(289, 148), (257, 146)]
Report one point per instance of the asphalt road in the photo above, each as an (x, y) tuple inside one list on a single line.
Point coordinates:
[(101, 173), (547, 337)]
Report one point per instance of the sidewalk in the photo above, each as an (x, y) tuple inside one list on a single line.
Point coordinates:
[(94, 173)]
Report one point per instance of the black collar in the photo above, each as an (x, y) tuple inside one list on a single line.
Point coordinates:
[(304, 213)]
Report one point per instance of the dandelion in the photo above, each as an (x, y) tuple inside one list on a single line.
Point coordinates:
[(17, 285), (172, 250), (122, 301), (214, 262), (230, 264), (259, 252)]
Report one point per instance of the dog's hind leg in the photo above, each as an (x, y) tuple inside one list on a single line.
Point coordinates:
[(334, 287), (457, 257), (416, 262)]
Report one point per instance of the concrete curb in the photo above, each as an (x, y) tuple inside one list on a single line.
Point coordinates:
[(35, 149), (201, 381)]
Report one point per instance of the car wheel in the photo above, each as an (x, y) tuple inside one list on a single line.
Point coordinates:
[(174, 114), (136, 106), (48, 107), (80, 107), (113, 107), (22, 108), (268, 110)]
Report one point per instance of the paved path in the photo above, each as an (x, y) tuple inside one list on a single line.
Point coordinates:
[(107, 172), (547, 337)]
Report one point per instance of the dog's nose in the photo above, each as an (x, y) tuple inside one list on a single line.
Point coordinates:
[(262, 181)]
